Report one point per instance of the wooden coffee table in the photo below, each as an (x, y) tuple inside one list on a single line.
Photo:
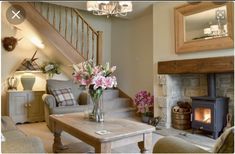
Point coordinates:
[(122, 132)]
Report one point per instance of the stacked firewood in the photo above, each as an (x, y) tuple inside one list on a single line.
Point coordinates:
[(182, 107), (181, 115)]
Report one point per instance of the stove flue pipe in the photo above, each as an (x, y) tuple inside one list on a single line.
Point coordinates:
[(211, 85)]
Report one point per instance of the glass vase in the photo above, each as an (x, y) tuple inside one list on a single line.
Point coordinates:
[(89, 106), (97, 113)]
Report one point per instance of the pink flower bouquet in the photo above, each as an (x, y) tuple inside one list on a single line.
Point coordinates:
[(95, 77), (144, 102)]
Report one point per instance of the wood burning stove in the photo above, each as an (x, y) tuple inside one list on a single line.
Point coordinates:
[(209, 112)]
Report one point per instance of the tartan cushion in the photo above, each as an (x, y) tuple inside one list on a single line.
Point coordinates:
[(64, 97)]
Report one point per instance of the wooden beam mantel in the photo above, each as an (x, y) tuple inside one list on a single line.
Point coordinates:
[(203, 65)]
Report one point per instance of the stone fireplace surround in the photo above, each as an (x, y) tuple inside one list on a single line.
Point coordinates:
[(182, 86)]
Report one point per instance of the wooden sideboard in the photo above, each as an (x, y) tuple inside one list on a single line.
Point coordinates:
[(25, 106)]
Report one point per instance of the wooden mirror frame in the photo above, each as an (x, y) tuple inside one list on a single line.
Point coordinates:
[(200, 45)]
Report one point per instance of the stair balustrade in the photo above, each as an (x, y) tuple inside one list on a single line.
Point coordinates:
[(74, 28)]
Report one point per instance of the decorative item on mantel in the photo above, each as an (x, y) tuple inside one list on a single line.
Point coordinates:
[(144, 103), (27, 67), (50, 68), (96, 78)]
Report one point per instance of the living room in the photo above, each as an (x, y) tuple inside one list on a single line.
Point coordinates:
[(145, 52)]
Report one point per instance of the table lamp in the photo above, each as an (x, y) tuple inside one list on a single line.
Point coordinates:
[(28, 67)]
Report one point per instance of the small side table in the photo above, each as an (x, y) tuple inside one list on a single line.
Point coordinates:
[(25, 106)]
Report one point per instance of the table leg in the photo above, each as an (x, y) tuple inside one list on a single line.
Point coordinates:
[(103, 148), (57, 145), (146, 144)]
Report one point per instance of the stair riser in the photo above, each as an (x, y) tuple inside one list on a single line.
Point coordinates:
[(116, 104), (110, 94), (120, 114)]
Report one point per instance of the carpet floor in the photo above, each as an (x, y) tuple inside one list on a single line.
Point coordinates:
[(41, 130)]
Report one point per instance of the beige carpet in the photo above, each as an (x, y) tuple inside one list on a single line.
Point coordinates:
[(41, 130)]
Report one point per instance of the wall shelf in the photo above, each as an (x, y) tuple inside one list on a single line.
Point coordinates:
[(203, 65)]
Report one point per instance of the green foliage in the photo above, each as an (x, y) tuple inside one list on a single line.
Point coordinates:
[(50, 68), (95, 94)]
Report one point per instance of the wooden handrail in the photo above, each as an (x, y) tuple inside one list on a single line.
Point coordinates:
[(85, 22)]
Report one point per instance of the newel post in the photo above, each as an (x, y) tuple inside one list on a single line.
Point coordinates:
[(99, 47)]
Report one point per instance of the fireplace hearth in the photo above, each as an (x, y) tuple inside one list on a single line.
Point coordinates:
[(209, 112), (179, 80)]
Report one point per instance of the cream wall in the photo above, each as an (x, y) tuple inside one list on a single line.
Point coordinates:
[(132, 52), (163, 39)]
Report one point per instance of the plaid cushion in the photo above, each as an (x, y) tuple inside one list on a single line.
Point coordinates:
[(64, 97)]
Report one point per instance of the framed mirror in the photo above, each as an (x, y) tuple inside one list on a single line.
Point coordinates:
[(204, 26)]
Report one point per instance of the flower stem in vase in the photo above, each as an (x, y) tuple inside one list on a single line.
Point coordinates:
[(97, 112)]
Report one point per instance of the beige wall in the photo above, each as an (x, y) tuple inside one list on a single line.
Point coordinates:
[(132, 53), (163, 39)]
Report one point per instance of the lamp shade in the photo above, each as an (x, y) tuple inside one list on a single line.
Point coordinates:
[(27, 81), (27, 67), (92, 5), (126, 6)]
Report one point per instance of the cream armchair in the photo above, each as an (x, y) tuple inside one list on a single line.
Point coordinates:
[(170, 144), (49, 100)]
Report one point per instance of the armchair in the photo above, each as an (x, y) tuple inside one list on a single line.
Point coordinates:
[(171, 144), (49, 100)]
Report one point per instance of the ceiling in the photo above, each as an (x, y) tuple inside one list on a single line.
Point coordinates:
[(139, 7)]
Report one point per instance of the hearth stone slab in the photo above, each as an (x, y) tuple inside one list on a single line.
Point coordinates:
[(199, 140)]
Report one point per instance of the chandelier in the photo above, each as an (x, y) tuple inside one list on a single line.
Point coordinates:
[(116, 8)]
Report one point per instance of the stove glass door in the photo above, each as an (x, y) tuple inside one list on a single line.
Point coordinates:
[(203, 115)]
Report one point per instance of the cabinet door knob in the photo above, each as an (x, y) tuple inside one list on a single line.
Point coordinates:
[(29, 105), (26, 105)]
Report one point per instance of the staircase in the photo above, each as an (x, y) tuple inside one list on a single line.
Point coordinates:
[(116, 106), (70, 24), (71, 34), (65, 29)]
